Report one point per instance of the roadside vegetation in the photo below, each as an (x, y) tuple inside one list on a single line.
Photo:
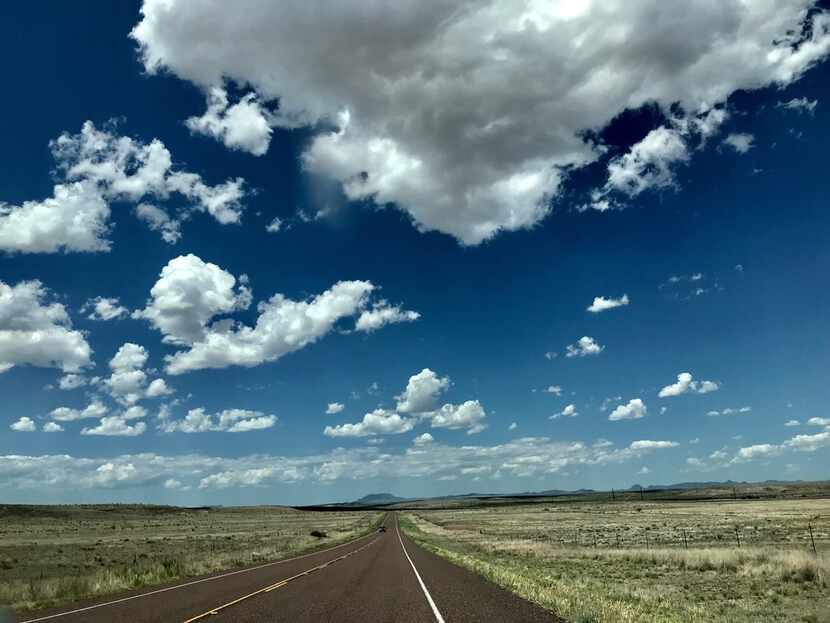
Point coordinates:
[(649, 562), (55, 554)]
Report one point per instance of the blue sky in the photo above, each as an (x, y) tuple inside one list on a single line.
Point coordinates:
[(447, 214)]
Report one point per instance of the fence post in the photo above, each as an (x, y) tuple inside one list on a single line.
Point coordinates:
[(613, 497), (618, 540), (647, 545), (685, 542), (737, 536), (810, 527), (642, 497)]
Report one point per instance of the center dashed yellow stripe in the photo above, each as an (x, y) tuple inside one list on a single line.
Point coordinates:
[(276, 585)]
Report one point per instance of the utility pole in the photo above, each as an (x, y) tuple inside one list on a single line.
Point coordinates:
[(810, 527)]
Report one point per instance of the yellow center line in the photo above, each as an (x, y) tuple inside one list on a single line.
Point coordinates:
[(276, 585)]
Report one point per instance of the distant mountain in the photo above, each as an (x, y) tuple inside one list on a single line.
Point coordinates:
[(381, 499), (376, 499), (687, 485)]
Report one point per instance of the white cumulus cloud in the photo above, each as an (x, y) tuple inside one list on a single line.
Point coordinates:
[(115, 426), (188, 293), (94, 409), (469, 415), (423, 439), (383, 314), (377, 422), (274, 226), (584, 347), (191, 292), (634, 410), (516, 84), (334, 407), (602, 304), (102, 308), (24, 425), (244, 125), (568, 411), (422, 392), (800, 104), (38, 332), (647, 444), (687, 385), (741, 142), (72, 381), (98, 167), (229, 420), (730, 411), (649, 164), (159, 220), (158, 388)]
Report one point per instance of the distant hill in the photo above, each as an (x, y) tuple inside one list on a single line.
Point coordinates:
[(680, 490), (376, 499)]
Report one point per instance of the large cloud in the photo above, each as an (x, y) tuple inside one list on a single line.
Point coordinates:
[(464, 115), (190, 293), (37, 332), (97, 167), (74, 218)]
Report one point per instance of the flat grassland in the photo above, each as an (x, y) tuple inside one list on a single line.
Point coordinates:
[(55, 554), (646, 561)]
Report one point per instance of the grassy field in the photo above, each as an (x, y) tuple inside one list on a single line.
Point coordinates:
[(55, 554), (628, 562)]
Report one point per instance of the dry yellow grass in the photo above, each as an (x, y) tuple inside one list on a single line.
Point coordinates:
[(615, 563), (50, 555)]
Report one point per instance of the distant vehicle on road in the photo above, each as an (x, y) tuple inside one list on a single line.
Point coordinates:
[(382, 529)]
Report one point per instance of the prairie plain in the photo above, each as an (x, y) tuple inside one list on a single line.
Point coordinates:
[(56, 554), (599, 561)]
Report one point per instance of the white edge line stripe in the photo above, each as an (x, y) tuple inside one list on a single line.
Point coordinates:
[(435, 611), (191, 583)]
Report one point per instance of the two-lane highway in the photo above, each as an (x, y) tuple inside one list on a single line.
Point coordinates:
[(379, 577)]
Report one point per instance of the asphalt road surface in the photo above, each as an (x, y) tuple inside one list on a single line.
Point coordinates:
[(379, 577)]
